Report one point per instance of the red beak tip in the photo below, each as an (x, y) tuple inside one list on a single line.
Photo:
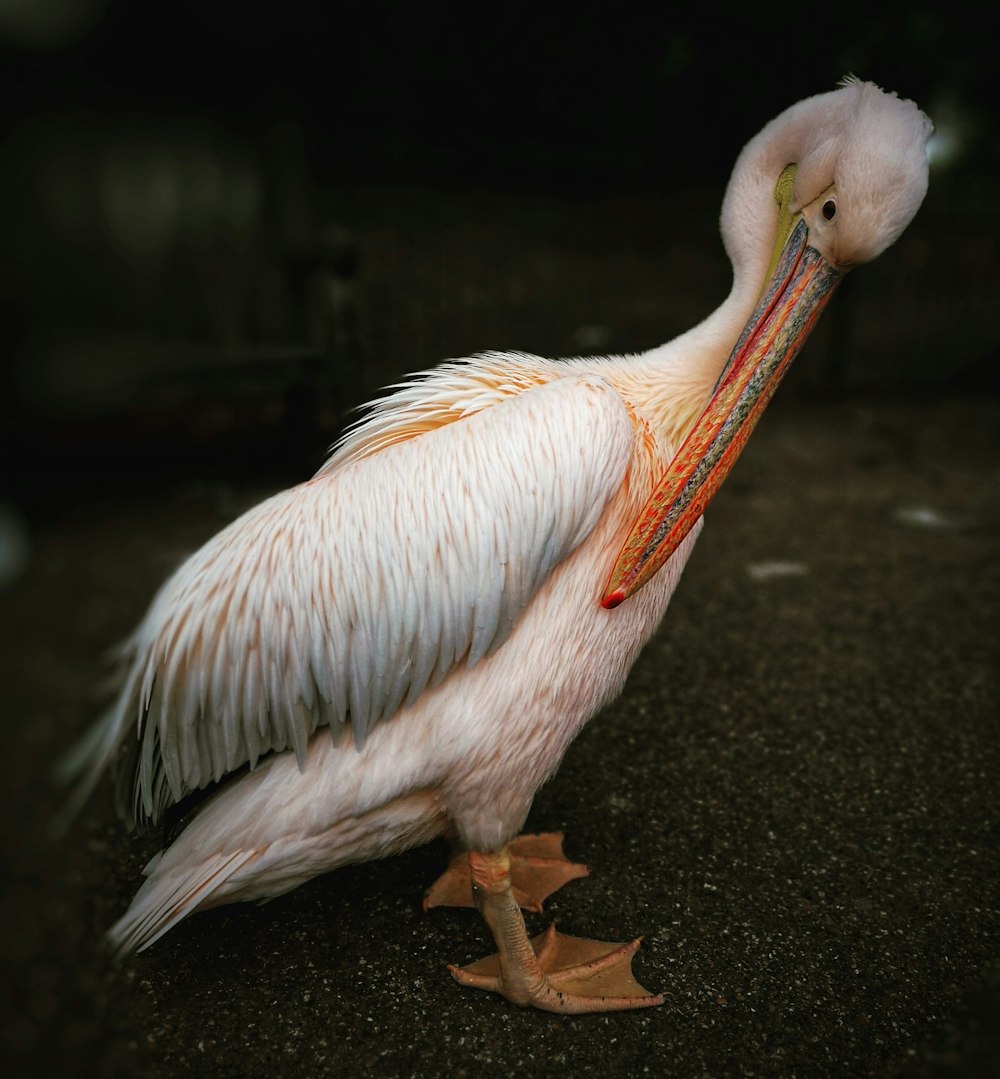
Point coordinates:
[(612, 599)]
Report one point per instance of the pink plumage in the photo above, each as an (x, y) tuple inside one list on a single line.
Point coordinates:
[(404, 646)]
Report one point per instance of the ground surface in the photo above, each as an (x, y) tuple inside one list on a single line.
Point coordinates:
[(795, 800)]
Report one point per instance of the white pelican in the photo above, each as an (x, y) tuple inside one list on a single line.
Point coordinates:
[(470, 577)]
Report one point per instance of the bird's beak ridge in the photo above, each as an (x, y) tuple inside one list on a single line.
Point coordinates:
[(800, 284)]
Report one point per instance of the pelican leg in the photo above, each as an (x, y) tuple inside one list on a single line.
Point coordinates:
[(554, 972), (538, 868)]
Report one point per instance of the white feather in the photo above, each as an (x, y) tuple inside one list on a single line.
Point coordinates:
[(445, 568), (409, 522)]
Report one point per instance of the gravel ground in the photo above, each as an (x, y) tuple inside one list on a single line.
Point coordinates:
[(795, 800)]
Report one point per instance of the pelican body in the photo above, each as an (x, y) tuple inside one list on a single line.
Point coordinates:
[(404, 646)]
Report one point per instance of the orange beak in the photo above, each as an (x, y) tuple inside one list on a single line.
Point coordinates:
[(793, 298)]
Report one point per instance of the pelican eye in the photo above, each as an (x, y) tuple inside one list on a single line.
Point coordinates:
[(829, 210)]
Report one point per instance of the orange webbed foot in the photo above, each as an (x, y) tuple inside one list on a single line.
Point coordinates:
[(553, 971), (538, 868), (570, 975)]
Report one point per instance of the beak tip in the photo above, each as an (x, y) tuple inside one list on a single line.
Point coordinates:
[(612, 599)]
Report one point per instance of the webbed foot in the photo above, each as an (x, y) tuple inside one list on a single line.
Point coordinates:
[(538, 868), (571, 975), (554, 972)]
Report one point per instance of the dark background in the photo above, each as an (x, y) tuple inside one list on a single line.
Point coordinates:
[(223, 227)]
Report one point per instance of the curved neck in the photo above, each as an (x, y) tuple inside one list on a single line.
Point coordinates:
[(681, 374), (678, 377)]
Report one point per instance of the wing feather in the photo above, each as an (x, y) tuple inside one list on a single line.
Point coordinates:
[(344, 598)]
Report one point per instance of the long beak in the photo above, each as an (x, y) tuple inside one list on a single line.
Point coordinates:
[(797, 291)]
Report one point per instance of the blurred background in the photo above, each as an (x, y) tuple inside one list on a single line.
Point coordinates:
[(224, 226)]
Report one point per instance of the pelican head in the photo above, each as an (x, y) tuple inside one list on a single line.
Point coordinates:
[(858, 169), (827, 185)]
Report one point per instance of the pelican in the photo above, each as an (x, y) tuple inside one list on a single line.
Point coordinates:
[(404, 646)]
